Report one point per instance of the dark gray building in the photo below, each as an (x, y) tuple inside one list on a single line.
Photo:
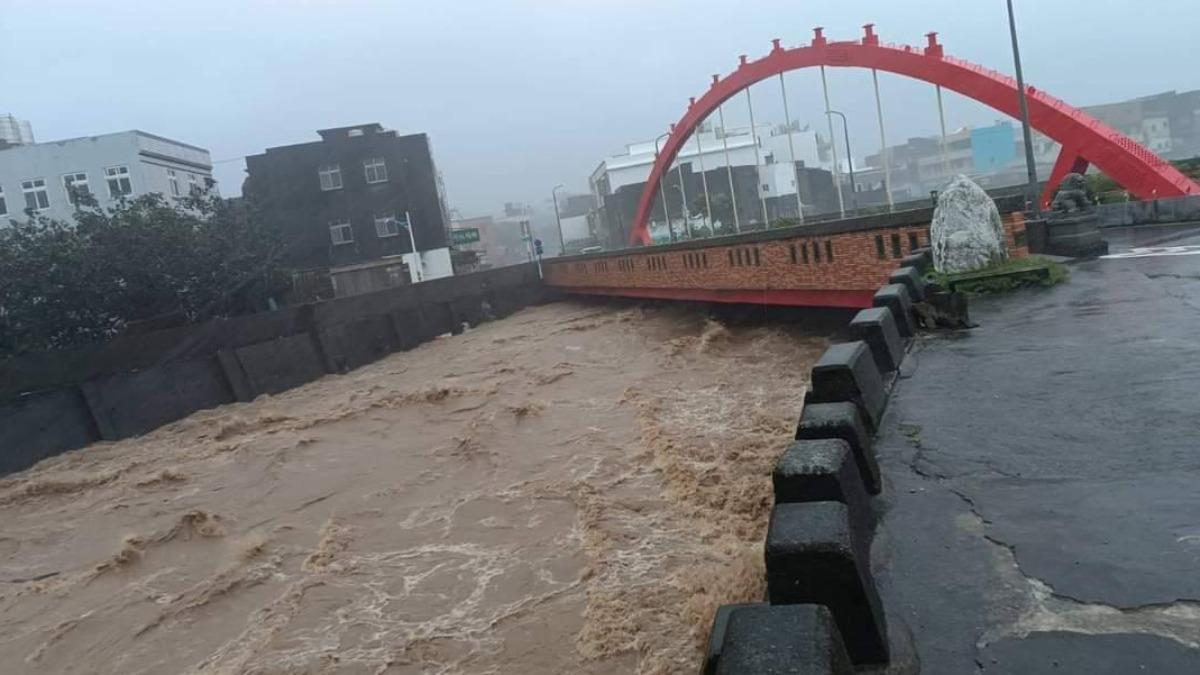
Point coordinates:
[(342, 200)]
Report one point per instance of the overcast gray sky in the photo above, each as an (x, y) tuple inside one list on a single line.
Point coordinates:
[(519, 95)]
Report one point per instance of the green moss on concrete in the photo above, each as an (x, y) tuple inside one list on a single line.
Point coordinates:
[(1006, 276)]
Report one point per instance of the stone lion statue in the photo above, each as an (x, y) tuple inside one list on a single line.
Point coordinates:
[(1074, 196)]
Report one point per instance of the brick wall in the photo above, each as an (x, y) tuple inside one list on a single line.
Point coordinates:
[(860, 259)]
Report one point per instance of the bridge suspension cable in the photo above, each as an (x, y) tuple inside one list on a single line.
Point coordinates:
[(837, 178), (737, 220)]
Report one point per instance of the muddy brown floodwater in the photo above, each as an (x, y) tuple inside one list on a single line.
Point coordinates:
[(573, 489)]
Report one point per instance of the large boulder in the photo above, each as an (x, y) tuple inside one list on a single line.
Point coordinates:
[(966, 233)]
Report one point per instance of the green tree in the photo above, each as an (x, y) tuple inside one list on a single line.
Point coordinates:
[(722, 212), (1108, 190), (67, 283)]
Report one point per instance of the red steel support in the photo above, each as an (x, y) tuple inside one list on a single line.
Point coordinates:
[(1068, 161), (1138, 170)]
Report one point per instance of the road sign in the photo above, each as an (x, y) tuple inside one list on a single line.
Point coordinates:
[(464, 235)]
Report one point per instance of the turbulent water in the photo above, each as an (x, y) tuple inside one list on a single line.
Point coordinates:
[(573, 489)]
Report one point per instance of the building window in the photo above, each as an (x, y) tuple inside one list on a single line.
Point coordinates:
[(828, 250), (757, 261), (386, 226), (376, 170), (341, 232), (879, 247), (118, 181), (913, 242), (173, 181), (3, 204), (816, 248), (331, 177), (766, 188), (76, 185), (194, 188), (804, 253), (36, 197), (896, 252), (792, 248)]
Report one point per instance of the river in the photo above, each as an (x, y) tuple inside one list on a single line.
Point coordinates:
[(573, 489)]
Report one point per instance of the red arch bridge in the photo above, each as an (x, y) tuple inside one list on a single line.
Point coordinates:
[(837, 264)]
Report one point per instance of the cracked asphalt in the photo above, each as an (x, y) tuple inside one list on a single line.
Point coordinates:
[(1042, 505)]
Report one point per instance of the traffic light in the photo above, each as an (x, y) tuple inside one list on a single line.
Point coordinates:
[(537, 246)]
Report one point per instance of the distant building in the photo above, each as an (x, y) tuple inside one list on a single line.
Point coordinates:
[(14, 131), (989, 155), (1167, 123), (44, 178), (472, 243), (343, 202), (617, 183)]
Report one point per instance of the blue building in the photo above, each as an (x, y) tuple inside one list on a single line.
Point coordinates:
[(993, 148)]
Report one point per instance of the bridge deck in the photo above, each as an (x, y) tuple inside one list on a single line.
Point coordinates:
[(832, 264)]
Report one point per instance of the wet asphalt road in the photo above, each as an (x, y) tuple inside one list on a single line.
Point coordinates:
[(1042, 505)]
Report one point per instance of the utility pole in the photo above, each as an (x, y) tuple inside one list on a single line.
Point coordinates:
[(412, 240), (562, 245), (849, 158), (1035, 199)]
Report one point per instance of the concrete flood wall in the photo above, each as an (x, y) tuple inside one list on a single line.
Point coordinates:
[(1177, 210), (823, 612), (56, 401)]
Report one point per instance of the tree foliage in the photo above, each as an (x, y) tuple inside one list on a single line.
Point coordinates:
[(1108, 190), (68, 283), (722, 212)]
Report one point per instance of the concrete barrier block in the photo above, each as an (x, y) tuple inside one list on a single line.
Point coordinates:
[(922, 259), (911, 279), (36, 426), (815, 557), (843, 421), (232, 369), (716, 636), (877, 327), (896, 298), (765, 639), (407, 325), (354, 344), (128, 404), (847, 372), (824, 470), (276, 366)]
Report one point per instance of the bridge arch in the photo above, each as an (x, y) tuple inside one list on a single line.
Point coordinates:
[(1085, 140)]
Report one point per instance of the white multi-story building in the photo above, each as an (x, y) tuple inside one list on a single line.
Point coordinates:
[(42, 178), (707, 148), (14, 131)]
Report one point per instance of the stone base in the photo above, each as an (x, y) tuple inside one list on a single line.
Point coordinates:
[(1076, 236)]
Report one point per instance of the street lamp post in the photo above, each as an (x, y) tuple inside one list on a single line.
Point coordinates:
[(412, 241), (1034, 197), (849, 158), (562, 246), (662, 190)]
